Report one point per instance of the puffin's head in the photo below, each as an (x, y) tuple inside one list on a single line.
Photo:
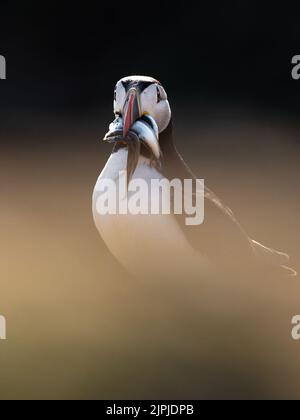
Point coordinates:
[(138, 96), (142, 113)]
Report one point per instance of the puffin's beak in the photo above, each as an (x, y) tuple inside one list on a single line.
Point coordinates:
[(131, 110)]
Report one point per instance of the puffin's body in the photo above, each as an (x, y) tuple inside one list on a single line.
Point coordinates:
[(150, 244), (139, 242)]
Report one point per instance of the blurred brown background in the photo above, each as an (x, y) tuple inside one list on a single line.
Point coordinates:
[(78, 326)]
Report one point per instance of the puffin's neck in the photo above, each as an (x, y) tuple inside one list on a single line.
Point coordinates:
[(144, 151)]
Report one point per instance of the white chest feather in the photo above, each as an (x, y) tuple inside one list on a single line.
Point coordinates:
[(143, 244)]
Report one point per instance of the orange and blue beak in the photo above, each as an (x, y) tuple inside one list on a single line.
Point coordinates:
[(131, 110)]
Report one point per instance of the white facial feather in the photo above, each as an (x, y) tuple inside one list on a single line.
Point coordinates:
[(159, 110), (119, 98)]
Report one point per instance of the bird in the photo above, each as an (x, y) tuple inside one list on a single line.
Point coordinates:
[(146, 244)]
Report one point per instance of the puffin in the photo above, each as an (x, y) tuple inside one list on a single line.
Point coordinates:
[(147, 245)]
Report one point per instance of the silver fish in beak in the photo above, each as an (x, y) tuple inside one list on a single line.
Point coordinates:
[(132, 130)]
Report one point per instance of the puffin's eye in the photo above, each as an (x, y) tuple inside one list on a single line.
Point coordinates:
[(115, 94), (159, 98)]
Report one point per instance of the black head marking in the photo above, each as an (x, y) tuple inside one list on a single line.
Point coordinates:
[(141, 84)]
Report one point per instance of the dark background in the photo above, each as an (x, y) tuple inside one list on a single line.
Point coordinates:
[(66, 57)]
